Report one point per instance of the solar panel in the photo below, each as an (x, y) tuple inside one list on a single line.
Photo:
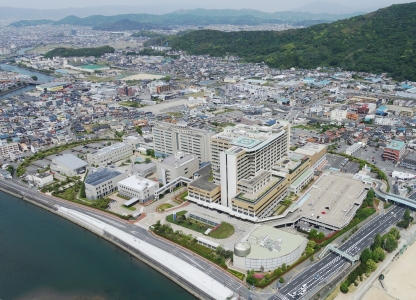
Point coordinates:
[(101, 176)]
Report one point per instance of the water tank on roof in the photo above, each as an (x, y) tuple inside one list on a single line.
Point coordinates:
[(242, 249)]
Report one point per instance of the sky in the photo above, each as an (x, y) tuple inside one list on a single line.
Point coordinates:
[(263, 5)]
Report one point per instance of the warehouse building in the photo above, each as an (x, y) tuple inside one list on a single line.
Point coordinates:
[(68, 164)]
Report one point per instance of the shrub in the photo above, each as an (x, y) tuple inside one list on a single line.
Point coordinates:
[(344, 287)]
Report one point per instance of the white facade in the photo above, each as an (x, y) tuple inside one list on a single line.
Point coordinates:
[(169, 138), (5, 149), (42, 179), (101, 182), (137, 187), (110, 154), (177, 165), (338, 115), (353, 148)]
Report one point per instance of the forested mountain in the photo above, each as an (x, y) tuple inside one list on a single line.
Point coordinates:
[(69, 52), (196, 17), (382, 41)]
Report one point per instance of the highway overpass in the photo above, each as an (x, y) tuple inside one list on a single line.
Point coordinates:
[(388, 197)]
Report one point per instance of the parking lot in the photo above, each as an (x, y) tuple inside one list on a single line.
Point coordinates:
[(333, 199)]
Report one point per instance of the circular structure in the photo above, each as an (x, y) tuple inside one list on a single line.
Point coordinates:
[(242, 249), (267, 248)]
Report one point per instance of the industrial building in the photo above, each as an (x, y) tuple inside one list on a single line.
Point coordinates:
[(110, 154), (101, 182), (68, 164), (169, 138), (137, 187), (268, 248), (177, 165)]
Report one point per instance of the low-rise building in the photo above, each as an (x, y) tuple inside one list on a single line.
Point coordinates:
[(42, 179), (102, 181), (177, 165), (394, 151), (5, 149), (137, 187), (110, 154), (68, 164)]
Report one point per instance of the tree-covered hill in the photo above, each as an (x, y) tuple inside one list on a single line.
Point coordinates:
[(69, 52), (382, 41)]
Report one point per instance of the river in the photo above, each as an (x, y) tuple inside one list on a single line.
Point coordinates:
[(41, 77), (43, 256)]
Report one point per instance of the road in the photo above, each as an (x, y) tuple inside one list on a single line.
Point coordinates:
[(319, 273), (198, 262)]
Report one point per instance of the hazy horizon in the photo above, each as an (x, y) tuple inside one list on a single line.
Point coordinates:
[(339, 6)]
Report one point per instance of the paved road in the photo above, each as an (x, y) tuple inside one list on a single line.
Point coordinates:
[(332, 264), (207, 267)]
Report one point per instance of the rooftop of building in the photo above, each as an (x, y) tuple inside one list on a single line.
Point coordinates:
[(70, 161), (109, 149), (396, 145), (138, 183), (268, 242), (100, 175), (310, 149), (257, 196), (177, 159)]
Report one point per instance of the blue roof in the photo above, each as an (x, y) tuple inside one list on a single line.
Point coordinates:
[(271, 122), (101, 176)]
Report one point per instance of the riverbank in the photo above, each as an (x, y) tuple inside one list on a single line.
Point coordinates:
[(161, 268), (8, 91)]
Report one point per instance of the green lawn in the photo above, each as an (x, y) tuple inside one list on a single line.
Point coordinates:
[(129, 208), (224, 231), (164, 206), (188, 223)]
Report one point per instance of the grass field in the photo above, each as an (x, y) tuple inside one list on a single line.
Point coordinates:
[(188, 223), (224, 231), (164, 206)]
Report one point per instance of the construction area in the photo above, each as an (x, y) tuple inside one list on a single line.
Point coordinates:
[(333, 200)]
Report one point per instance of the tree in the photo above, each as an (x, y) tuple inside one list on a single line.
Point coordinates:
[(281, 280), (139, 130), (371, 265), (344, 287), (365, 255), (148, 160), (379, 254), (320, 236), (313, 234), (251, 280), (82, 191), (395, 232), (377, 241), (34, 78), (390, 243)]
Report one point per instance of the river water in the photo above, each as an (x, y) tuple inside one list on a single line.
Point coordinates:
[(43, 256), (41, 77)]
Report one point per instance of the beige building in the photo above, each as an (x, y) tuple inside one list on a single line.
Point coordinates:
[(241, 178), (5, 149), (169, 138), (315, 152), (178, 165), (110, 154)]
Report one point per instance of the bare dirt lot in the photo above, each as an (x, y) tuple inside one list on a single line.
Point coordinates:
[(399, 279)]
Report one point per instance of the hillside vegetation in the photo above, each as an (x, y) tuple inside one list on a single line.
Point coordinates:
[(195, 17), (382, 41), (69, 52)]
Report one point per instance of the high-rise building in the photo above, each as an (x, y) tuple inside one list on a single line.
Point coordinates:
[(242, 160), (170, 138), (247, 183)]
